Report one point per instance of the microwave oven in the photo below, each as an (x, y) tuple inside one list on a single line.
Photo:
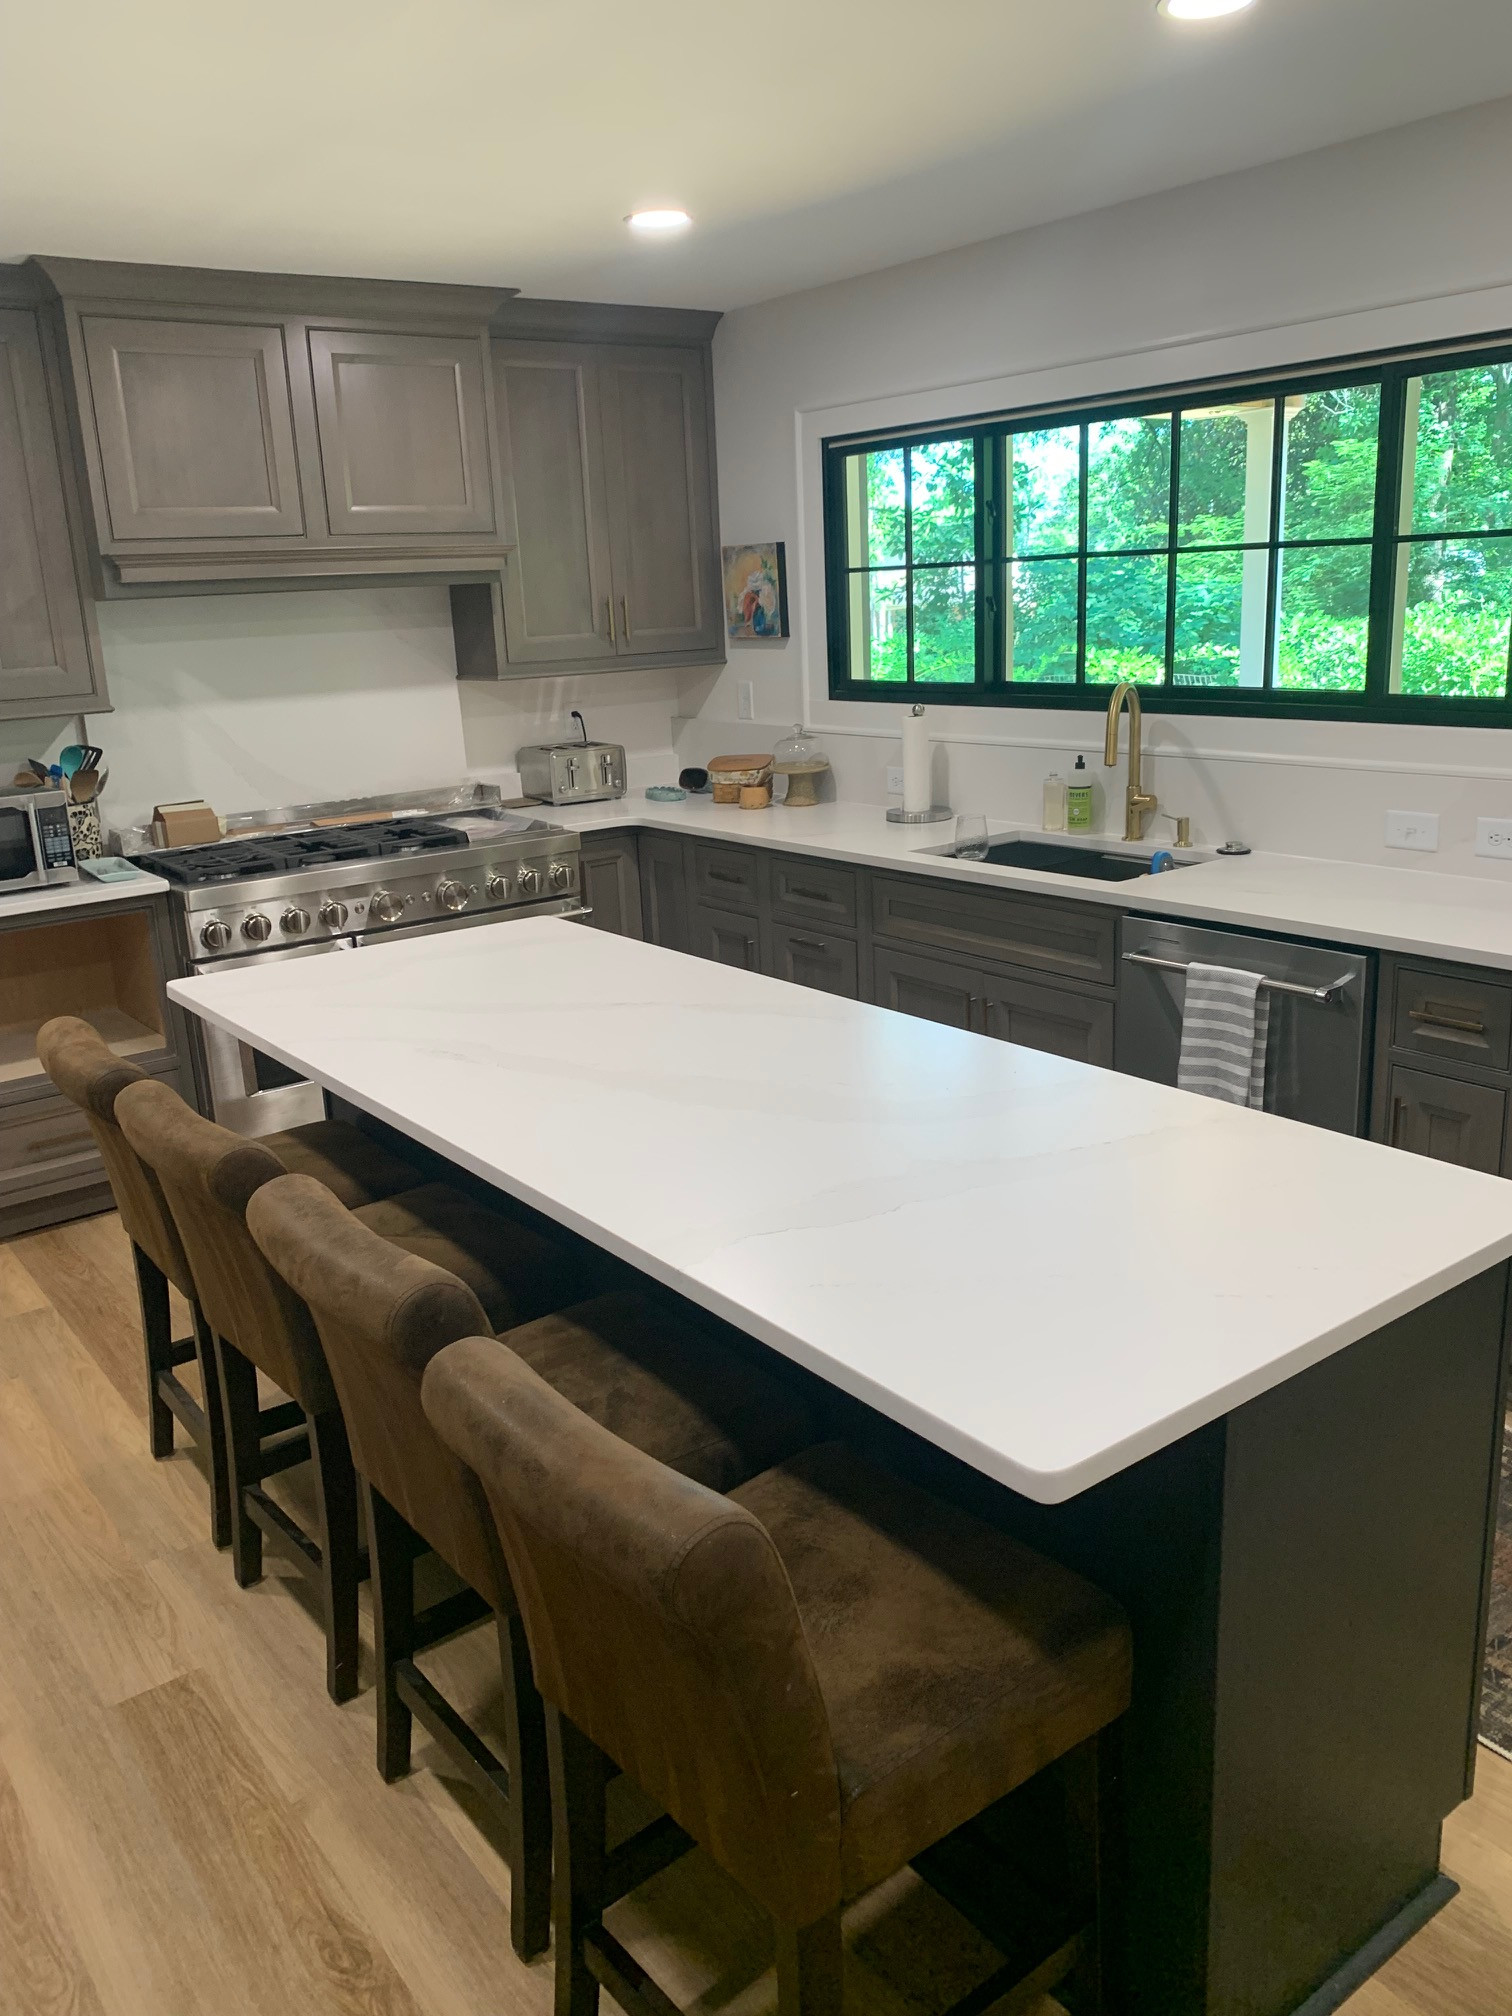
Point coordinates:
[(36, 847)]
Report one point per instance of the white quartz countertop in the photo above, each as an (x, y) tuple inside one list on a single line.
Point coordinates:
[(1396, 909), (77, 895), (1047, 1269)]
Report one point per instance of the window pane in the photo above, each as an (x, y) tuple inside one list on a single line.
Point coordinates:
[(879, 625), (944, 500), (945, 604), (1224, 497), (1332, 439), (1459, 475), (1126, 621), (874, 509), (1453, 599), (1128, 482), (1044, 479), (1220, 619), (1323, 619), (1041, 621)]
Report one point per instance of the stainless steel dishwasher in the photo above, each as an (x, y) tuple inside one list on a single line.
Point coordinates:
[(1321, 1001)]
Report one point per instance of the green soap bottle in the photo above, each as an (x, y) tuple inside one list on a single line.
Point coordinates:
[(1079, 799)]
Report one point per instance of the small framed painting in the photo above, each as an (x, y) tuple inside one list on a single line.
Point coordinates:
[(755, 593)]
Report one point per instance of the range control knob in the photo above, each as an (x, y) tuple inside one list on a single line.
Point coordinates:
[(257, 927), (385, 908), (295, 921), (496, 888), (332, 914), (528, 881), (560, 875), (215, 936), (453, 896)]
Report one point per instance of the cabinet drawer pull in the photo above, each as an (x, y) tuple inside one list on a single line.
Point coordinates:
[(609, 612), (625, 613), (1396, 1121), (1432, 1019), (811, 895), (808, 944), (724, 875)]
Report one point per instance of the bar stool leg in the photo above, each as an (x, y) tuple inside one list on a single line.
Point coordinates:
[(810, 1968), (579, 1779), (215, 1430), (157, 1336), (529, 1795), (392, 1553), (238, 1384), (336, 1494)]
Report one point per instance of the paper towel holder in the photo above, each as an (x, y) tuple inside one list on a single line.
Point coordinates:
[(898, 817)]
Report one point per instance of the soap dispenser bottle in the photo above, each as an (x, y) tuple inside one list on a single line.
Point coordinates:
[(1079, 804)]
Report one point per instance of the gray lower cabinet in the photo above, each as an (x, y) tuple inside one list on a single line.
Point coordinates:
[(807, 958), (1443, 1080), (49, 650), (1447, 1118), (726, 937), (665, 902), (936, 990), (1062, 1020), (609, 872)]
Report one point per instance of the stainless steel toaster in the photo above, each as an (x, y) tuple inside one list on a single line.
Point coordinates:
[(572, 773)]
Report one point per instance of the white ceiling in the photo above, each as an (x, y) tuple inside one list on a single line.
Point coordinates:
[(504, 140)]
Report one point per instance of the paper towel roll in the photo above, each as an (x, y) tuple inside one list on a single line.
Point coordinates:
[(917, 796)]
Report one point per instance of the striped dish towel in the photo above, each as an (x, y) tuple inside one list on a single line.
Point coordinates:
[(1224, 1027)]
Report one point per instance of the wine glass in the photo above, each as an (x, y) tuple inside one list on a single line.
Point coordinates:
[(971, 837)]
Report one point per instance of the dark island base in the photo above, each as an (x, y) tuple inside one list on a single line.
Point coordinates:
[(1307, 1581)]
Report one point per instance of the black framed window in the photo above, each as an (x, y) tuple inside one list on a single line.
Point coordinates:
[(1336, 545)]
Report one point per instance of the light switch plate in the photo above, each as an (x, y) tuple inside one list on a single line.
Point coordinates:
[(1493, 837), (747, 691), (1418, 830), (895, 779)]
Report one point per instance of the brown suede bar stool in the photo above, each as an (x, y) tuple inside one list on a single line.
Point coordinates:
[(821, 1677), (86, 1070), (669, 1384), (207, 1175)]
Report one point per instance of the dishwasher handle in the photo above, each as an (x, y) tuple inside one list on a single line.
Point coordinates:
[(1323, 996)]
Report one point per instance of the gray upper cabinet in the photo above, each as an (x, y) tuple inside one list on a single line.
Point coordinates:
[(558, 583), (234, 429), (606, 445), (403, 433), (662, 530), (194, 429), (49, 653)]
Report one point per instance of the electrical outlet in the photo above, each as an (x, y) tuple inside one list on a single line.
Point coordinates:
[(895, 779), (1494, 838), (747, 692), (1413, 829)]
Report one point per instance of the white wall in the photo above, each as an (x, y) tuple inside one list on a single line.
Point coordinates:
[(1404, 237), (277, 699)]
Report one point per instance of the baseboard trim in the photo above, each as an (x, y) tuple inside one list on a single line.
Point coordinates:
[(1378, 1949)]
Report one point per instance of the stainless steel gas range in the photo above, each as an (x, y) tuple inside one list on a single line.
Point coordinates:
[(327, 878)]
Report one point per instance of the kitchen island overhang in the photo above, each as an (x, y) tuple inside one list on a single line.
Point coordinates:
[(1244, 1374)]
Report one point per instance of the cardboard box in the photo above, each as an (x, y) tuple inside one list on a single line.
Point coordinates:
[(189, 823)]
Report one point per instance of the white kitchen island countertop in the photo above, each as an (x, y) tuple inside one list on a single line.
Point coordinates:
[(1049, 1270), (1434, 915)]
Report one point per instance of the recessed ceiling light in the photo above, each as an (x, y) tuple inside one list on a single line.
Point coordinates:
[(1201, 10), (657, 223)]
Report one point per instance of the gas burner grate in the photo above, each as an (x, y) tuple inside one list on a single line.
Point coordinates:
[(281, 853)]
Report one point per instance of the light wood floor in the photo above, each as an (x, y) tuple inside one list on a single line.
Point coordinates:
[(188, 1827)]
